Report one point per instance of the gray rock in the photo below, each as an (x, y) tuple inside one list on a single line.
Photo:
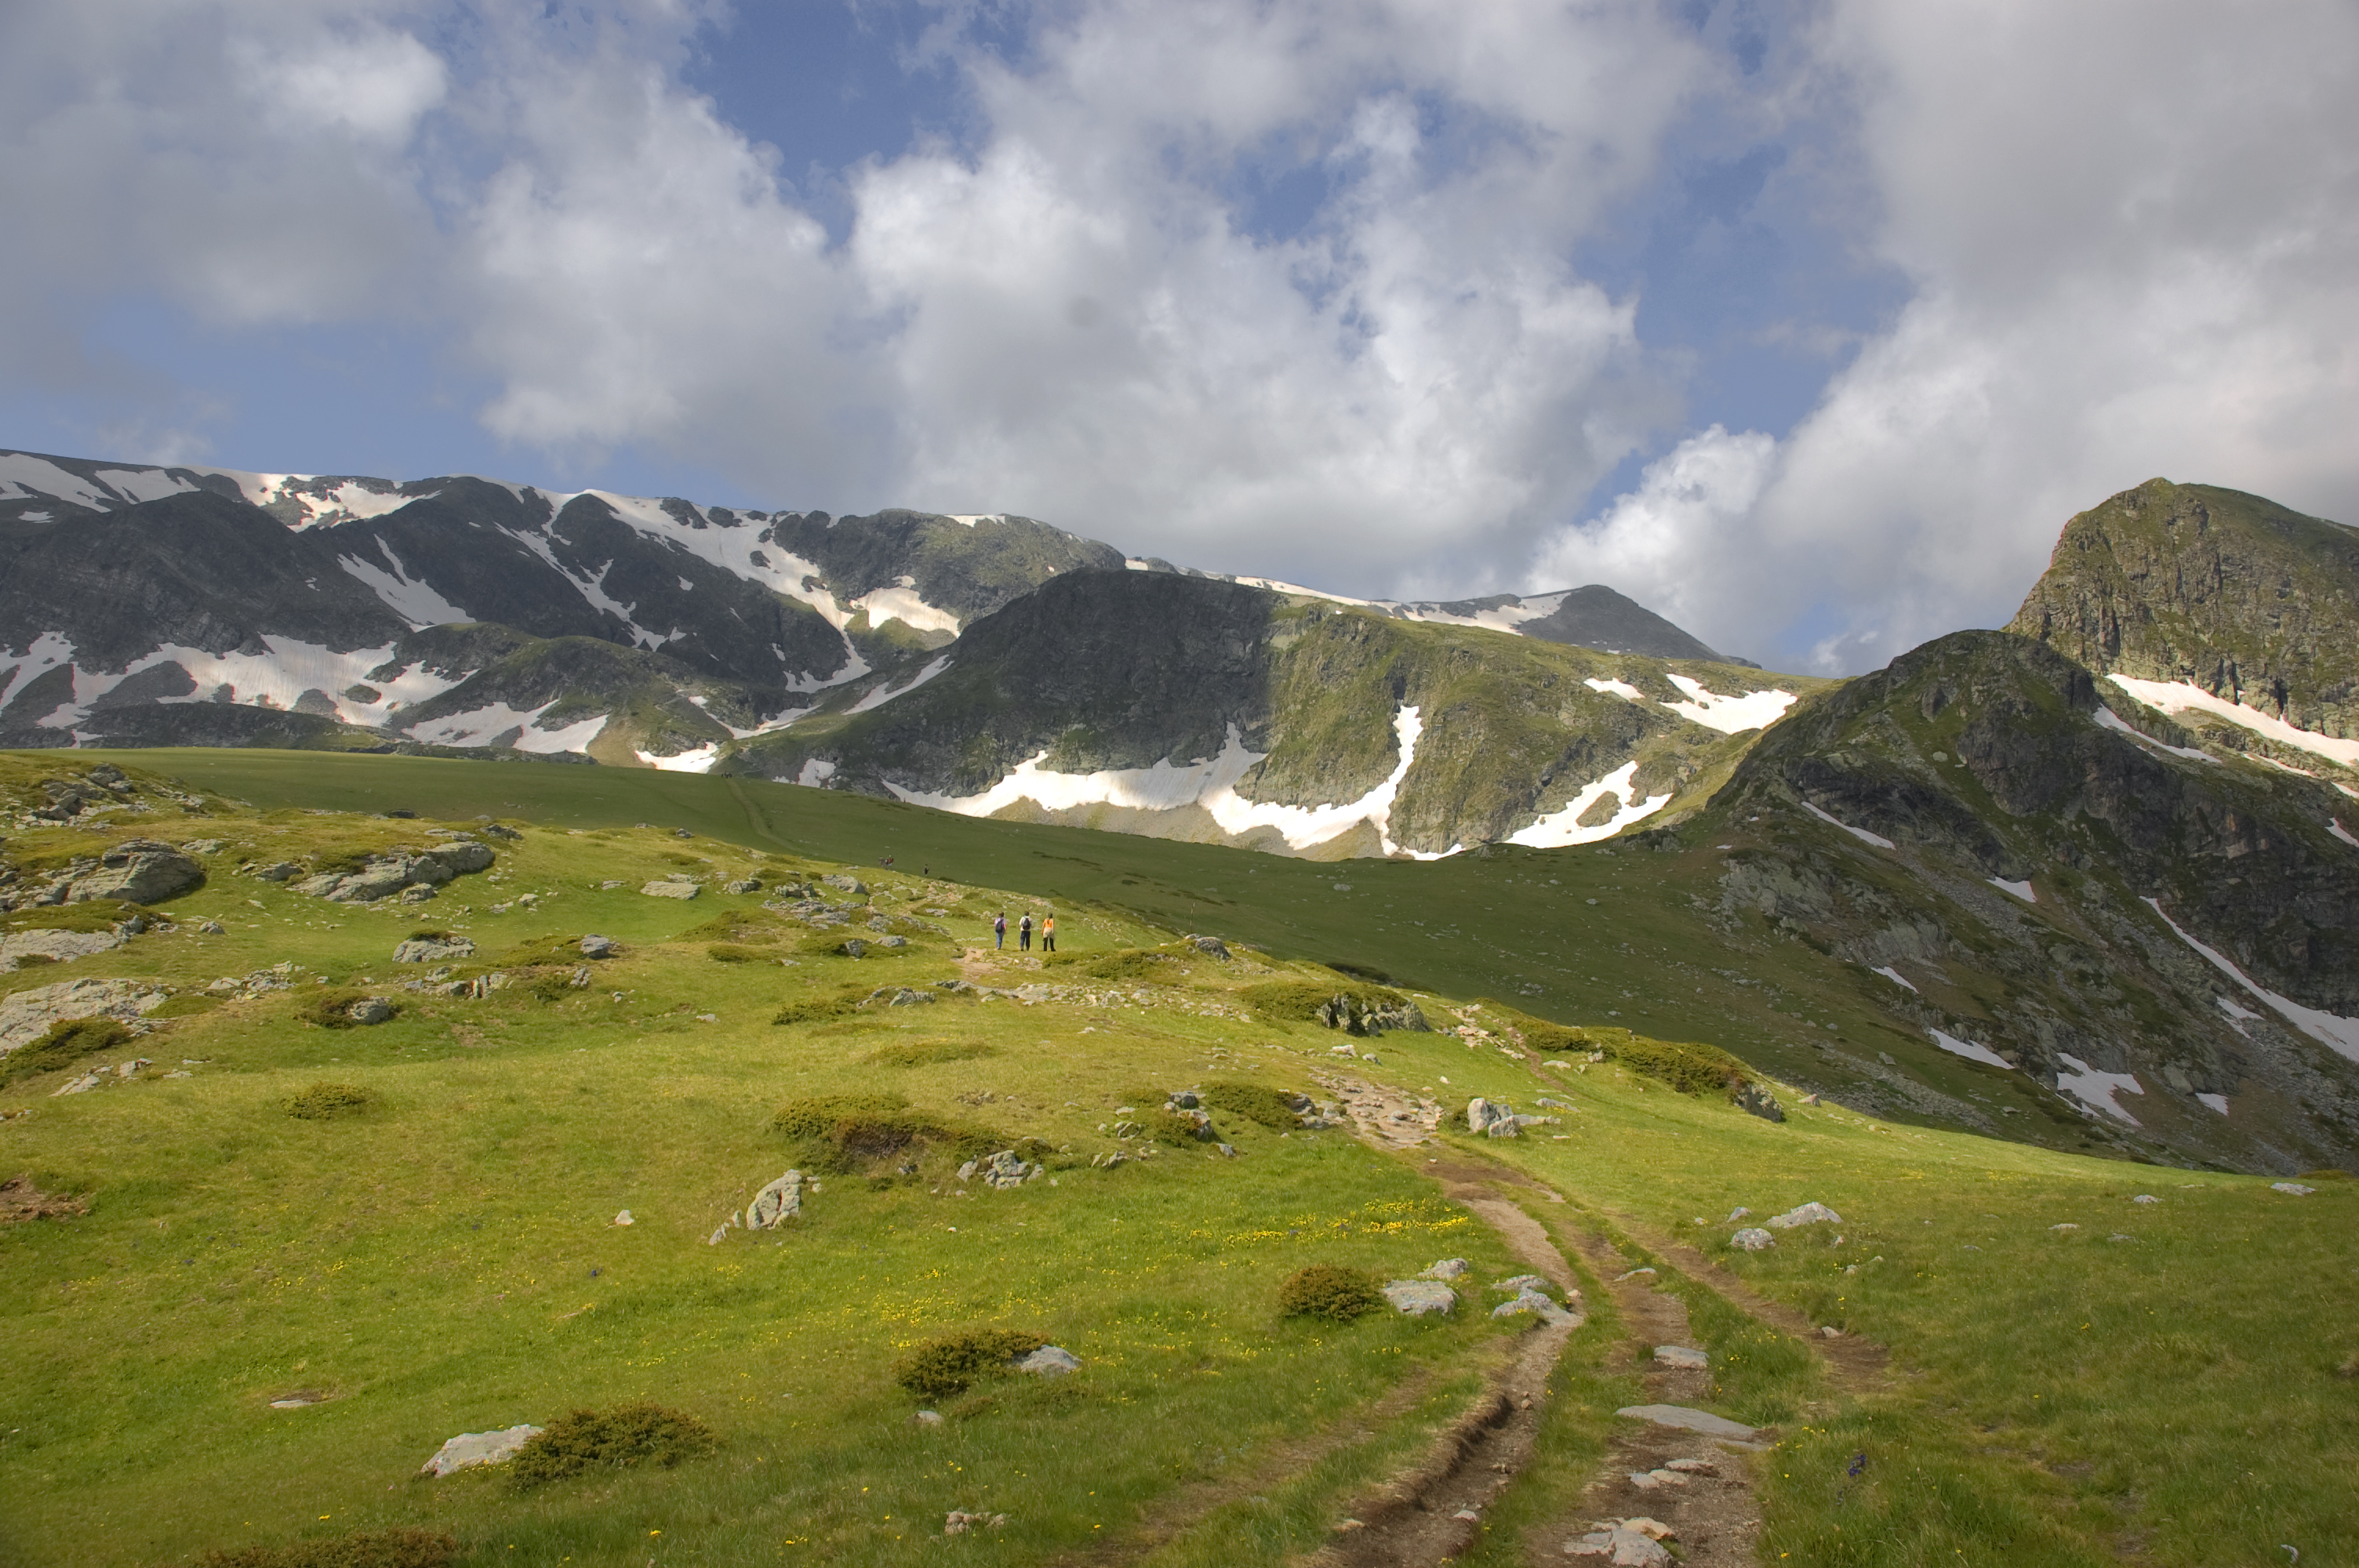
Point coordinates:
[(1416, 1298), (1753, 1238), (1740, 1212), (1210, 946), (204, 846), (1684, 1357), (1007, 1169), (743, 884), (1621, 1545), (1520, 1282), (1483, 1114), (2295, 1188), (892, 942), (776, 1203), (1757, 1101), (1448, 1269), (138, 871), (1808, 1214), (853, 947), (846, 882), (928, 1418), (493, 829), (596, 947), (212, 928), (370, 1010), (1538, 1305), (433, 949), (669, 888), (1685, 1419), (1184, 1100), (280, 871), (26, 1016), (57, 947), (1049, 1362), (470, 1449)]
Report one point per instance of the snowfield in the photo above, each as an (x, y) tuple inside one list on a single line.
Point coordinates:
[(1560, 829), (2180, 697)]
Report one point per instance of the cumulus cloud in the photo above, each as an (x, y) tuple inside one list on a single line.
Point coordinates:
[(2133, 232)]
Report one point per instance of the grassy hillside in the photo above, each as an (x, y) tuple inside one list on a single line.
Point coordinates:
[(406, 1231)]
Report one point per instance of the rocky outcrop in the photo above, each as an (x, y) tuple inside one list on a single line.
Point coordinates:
[(384, 875), (2224, 590), (26, 1015)]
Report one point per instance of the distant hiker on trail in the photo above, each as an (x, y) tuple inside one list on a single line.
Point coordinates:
[(1048, 933), (1023, 933), (999, 930)]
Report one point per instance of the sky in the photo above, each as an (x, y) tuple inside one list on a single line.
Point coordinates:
[(1807, 325)]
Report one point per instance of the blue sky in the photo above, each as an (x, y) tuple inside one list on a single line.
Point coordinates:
[(1807, 324)]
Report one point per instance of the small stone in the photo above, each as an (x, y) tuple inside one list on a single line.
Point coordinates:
[(1753, 1239), (1049, 1362), (1467, 1514), (370, 1010), (1682, 1356), (212, 928), (2068, 1224), (778, 1202), (1828, 1331), (1808, 1214), (1418, 1298), (928, 1418), (624, 1218), (1682, 1418), (1448, 1269), (434, 949), (2295, 1188), (1632, 1274), (2146, 1197), (1520, 1282), (1693, 1468), (669, 888), (1736, 1214), (743, 884), (470, 1449)]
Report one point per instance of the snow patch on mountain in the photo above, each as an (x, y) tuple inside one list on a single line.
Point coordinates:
[(2180, 696), (901, 603), (1862, 834), (415, 599), (1559, 828), (1966, 1048), (46, 652), (2108, 719), (292, 675), (497, 723), (2096, 1089), (1620, 688), (1729, 715), (699, 760), (884, 693), (1167, 787), (2021, 889), (1895, 976), (2336, 1032)]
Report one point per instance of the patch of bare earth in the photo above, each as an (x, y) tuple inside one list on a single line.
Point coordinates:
[(21, 1200)]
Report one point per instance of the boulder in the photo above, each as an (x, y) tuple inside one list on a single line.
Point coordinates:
[(1808, 1214), (776, 1203), (1684, 1357), (1482, 1115), (1753, 1238), (1356, 1015), (57, 947), (743, 884), (1538, 1305), (138, 871), (595, 947), (671, 888), (469, 1449), (1007, 1169), (26, 1016), (1757, 1101), (1049, 1362), (278, 871), (370, 1010), (1210, 946), (1448, 1269), (846, 882), (460, 857), (1418, 1298), (433, 948)]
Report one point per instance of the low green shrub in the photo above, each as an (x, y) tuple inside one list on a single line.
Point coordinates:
[(819, 1008), (1122, 964), (326, 1102), (331, 1007), (845, 1133), (927, 1053), (65, 1043), (1257, 1103), (616, 1439), (1692, 1069), (1330, 1291), (1539, 1034), (738, 952), (360, 1549), (96, 916), (943, 1367), (1166, 1126)]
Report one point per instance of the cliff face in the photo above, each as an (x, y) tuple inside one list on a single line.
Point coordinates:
[(2222, 590), (1985, 758)]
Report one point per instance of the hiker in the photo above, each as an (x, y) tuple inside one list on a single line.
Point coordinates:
[(999, 930), (1023, 933), (1048, 933)]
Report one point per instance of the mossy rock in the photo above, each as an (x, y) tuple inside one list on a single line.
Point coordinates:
[(65, 1043)]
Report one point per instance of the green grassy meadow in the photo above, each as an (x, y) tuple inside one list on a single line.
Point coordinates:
[(445, 1258)]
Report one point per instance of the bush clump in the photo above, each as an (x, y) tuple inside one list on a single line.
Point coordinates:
[(927, 1053), (1300, 1001), (1122, 964), (327, 1102), (1330, 1291), (840, 1003), (845, 1132), (1691, 1069), (1168, 1126), (66, 1042), (360, 1549), (613, 1438), (331, 1007), (738, 953), (940, 1368), (1257, 1103)]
